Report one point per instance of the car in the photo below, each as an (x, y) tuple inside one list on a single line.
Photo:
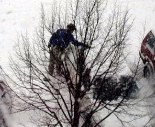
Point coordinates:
[(147, 54)]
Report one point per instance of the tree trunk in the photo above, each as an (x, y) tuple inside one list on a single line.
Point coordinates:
[(76, 113)]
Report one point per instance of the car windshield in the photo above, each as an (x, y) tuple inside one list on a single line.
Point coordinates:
[(151, 42)]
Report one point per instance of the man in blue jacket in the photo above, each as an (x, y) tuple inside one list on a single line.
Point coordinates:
[(59, 42)]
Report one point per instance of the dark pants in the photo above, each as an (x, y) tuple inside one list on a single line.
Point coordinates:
[(55, 62), (57, 56)]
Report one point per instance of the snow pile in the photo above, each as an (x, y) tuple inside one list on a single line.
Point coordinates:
[(145, 88), (5, 106), (147, 94), (5, 115)]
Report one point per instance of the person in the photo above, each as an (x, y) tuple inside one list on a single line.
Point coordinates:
[(58, 44)]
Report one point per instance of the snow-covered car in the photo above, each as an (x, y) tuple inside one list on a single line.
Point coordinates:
[(147, 54)]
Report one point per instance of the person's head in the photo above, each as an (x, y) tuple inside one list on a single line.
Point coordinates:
[(71, 27)]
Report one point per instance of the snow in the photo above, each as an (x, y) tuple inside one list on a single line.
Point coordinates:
[(20, 16), (153, 31), (17, 16)]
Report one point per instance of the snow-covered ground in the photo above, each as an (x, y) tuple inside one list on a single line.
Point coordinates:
[(17, 16)]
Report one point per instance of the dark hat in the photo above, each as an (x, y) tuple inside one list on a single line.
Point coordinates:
[(71, 26)]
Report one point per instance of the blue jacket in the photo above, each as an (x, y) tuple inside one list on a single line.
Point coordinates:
[(62, 38)]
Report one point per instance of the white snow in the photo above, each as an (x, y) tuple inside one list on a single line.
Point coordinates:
[(17, 16)]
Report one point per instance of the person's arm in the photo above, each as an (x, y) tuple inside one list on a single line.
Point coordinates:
[(76, 43)]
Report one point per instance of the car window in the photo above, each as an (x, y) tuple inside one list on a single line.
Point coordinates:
[(151, 41)]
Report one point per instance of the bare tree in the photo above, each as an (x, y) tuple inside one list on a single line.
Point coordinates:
[(66, 99)]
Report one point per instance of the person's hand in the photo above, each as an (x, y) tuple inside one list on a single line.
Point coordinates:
[(87, 47), (49, 45)]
